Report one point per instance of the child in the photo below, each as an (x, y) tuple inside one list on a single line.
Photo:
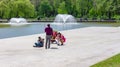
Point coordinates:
[(53, 36), (39, 43)]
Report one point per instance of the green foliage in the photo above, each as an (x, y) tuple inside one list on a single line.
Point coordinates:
[(111, 62), (62, 9), (4, 9), (92, 13), (16, 8), (117, 17), (105, 9), (44, 9)]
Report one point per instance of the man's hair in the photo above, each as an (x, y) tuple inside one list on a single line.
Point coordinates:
[(48, 25)]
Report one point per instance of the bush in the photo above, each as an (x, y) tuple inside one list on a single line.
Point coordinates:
[(117, 17)]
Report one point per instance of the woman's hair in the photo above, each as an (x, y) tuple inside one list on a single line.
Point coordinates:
[(39, 37)]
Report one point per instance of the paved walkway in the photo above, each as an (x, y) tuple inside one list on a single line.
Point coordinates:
[(84, 47)]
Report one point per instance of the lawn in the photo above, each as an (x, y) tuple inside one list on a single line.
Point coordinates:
[(110, 62)]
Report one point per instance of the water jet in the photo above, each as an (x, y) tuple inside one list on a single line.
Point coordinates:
[(65, 18)]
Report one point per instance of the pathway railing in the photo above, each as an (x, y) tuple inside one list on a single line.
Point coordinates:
[(78, 20)]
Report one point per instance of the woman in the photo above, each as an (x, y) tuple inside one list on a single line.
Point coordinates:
[(60, 39), (39, 43)]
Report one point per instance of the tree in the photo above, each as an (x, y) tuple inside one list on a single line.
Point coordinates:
[(62, 9), (83, 7), (16, 8), (24, 8), (44, 9), (4, 9), (106, 9)]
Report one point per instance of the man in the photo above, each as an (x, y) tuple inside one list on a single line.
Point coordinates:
[(49, 32)]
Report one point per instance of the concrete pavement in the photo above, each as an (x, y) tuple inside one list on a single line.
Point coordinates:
[(84, 47)]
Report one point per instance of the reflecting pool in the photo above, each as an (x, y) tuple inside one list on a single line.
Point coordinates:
[(7, 31)]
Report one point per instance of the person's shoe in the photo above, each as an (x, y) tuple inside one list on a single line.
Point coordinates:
[(48, 47), (58, 44), (34, 46), (61, 44)]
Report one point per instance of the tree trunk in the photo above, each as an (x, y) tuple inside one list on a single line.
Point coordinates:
[(109, 15)]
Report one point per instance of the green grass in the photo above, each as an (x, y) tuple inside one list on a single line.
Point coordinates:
[(4, 25), (110, 62)]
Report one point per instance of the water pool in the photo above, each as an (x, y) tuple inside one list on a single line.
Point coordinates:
[(8, 31)]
